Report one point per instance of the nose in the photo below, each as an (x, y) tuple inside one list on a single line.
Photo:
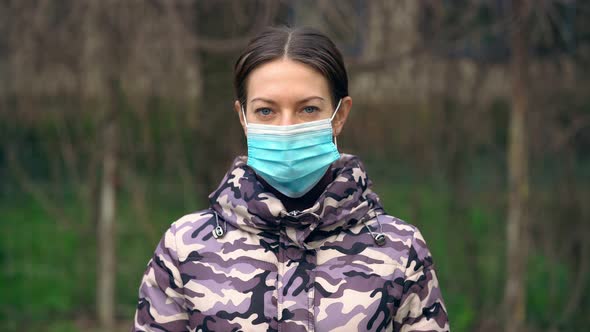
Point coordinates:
[(287, 118)]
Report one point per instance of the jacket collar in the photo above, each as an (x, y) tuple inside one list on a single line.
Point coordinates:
[(243, 202)]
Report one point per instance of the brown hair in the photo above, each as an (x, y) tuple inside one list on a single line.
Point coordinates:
[(302, 44)]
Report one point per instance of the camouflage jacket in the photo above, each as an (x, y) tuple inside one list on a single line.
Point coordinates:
[(341, 265)]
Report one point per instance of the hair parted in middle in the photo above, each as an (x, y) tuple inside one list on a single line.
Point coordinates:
[(302, 44)]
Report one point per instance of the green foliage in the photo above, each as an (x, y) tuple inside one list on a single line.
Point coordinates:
[(462, 311), (62, 326), (37, 276), (547, 291), (48, 271)]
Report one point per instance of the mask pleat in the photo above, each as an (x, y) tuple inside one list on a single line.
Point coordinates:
[(289, 145), (293, 170)]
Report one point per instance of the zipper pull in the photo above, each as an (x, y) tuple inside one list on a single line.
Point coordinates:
[(291, 215)]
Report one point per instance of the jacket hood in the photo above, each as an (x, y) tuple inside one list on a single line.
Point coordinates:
[(243, 202)]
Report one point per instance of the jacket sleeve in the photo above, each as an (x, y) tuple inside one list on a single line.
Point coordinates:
[(161, 306), (421, 307)]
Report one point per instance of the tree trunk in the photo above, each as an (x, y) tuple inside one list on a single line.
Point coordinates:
[(518, 183), (106, 272)]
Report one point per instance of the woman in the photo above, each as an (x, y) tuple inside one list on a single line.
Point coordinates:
[(294, 238)]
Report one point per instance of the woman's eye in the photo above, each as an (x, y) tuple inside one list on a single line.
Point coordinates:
[(310, 109), (264, 111)]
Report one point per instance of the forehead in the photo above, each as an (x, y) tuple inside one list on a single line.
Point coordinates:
[(285, 79)]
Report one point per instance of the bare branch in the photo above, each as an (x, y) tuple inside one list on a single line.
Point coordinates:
[(237, 43)]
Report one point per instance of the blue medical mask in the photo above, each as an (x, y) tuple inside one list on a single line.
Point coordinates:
[(293, 158)]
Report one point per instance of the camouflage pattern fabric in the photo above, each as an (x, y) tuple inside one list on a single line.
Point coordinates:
[(274, 270)]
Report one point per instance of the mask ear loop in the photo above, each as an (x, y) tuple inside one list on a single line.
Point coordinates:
[(244, 114), (336, 111), (332, 118)]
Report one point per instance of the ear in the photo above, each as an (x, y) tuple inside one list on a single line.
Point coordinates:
[(342, 115), (238, 109)]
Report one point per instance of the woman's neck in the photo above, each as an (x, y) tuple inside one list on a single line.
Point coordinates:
[(306, 201)]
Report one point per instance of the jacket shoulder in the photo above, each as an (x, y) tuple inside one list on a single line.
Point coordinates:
[(190, 232), (192, 219), (404, 237), (396, 229)]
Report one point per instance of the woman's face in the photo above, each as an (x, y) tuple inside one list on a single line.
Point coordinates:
[(285, 92)]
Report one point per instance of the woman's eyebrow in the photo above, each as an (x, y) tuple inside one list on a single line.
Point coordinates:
[(310, 98), (269, 101)]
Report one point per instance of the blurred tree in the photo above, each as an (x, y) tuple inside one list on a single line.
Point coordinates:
[(518, 178)]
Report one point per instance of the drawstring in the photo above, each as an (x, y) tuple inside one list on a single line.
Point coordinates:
[(295, 214), (218, 232), (379, 237)]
